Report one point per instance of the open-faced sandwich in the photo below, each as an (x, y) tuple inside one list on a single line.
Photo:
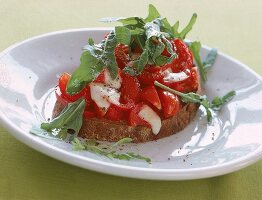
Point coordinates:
[(142, 82)]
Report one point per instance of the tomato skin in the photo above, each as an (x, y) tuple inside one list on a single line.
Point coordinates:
[(59, 97), (150, 95), (121, 55), (62, 83), (148, 78), (170, 103), (100, 78), (119, 112), (130, 89), (185, 57), (99, 112), (188, 85), (134, 119), (89, 114), (151, 74)]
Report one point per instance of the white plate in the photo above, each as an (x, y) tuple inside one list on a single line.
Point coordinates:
[(29, 72)]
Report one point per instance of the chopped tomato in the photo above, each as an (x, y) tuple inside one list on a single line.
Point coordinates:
[(63, 80), (191, 83), (170, 103), (119, 112), (134, 118), (89, 114), (121, 55), (99, 112), (87, 97), (188, 85), (151, 74), (185, 57), (59, 97), (100, 78), (150, 95), (130, 89)]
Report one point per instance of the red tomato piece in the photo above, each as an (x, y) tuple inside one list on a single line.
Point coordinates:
[(62, 83), (188, 85), (191, 83), (134, 119), (151, 74), (59, 97), (89, 114), (99, 112), (130, 89), (119, 112), (121, 55), (100, 78), (148, 78), (185, 57), (150, 95), (87, 97), (170, 103)]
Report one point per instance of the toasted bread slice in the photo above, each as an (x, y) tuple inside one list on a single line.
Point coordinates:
[(112, 131)]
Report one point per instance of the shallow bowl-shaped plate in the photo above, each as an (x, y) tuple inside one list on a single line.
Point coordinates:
[(29, 72)]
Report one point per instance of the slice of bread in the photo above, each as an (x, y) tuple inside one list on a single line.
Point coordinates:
[(107, 130)]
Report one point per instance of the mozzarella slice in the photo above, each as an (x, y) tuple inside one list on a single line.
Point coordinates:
[(150, 116), (103, 95), (114, 83), (175, 77)]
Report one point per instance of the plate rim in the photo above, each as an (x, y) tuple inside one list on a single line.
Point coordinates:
[(119, 169)]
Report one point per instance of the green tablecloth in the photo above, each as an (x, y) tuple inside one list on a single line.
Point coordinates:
[(234, 27)]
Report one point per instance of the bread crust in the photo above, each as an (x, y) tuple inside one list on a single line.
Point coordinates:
[(112, 131)]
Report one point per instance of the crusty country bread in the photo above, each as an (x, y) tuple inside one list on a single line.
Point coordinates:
[(107, 130)]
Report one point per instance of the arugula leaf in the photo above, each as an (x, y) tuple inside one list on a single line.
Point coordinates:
[(108, 55), (175, 29), (108, 151), (188, 27), (152, 13), (159, 48), (91, 41), (36, 130), (69, 119), (185, 31), (210, 59), (134, 24), (191, 97), (208, 62), (166, 27), (140, 63), (130, 70), (123, 35), (122, 141), (195, 48), (137, 156), (77, 145), (87, 71), (218, 102), (94, 59)]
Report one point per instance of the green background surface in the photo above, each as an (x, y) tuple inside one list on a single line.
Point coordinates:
[(234, 27)]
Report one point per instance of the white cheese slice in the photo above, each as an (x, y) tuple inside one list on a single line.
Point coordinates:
[(175, 77), (150, 116), (114, 83), (103, 95)]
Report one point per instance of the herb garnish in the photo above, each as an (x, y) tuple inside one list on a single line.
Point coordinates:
[(151, 34), (108, 151), (69, 120), (192, 97), (208, 62)]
